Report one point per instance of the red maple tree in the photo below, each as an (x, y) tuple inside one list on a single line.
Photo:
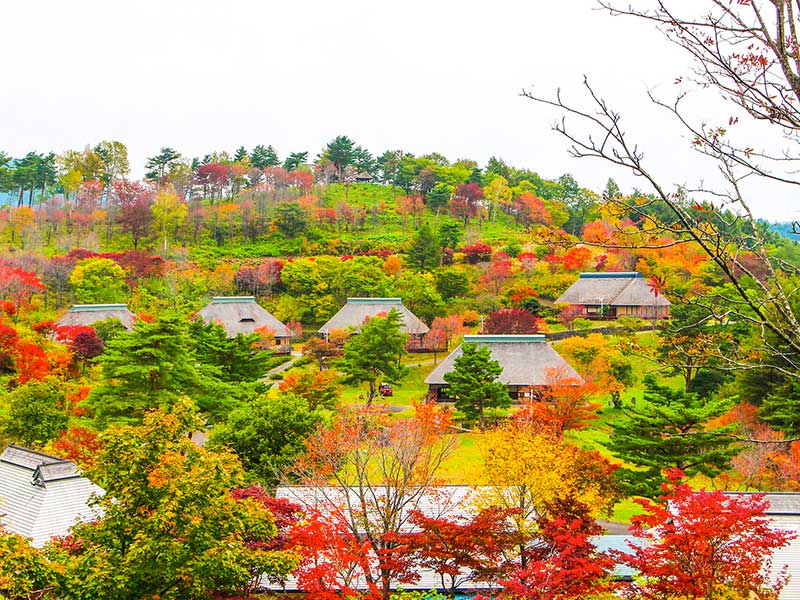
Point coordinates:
[(694, 544)]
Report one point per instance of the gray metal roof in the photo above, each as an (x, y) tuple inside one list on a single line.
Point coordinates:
[(454, 502), (527, 360), (42, 496), (241, 314), (357, 310), (88, 314), (780, 503), (612, 289)]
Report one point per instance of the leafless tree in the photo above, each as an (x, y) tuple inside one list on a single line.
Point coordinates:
[(748, 52)]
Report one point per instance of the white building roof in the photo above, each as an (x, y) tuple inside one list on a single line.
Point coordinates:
[(42, 496)]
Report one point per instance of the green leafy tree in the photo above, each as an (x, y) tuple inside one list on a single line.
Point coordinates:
[(375, 353), (35, 413), (152, 366), (439, 195), (170, 527), (25, 572), (268, 434), (450, 234), (452, 282), (669, 430), (98, 280), (473, 383), (114, 155), (290, 219), (423, 253)]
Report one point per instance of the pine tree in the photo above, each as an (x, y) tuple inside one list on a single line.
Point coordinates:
[(262, 157), (473, 383), (235, 359), (669, 431), (150, 367), (240, 155), (424, 252), (375, 352)]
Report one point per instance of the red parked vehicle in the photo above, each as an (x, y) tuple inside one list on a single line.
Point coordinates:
[(385, 389)]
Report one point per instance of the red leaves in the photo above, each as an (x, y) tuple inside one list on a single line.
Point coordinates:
[(513, 321), (695, 542), (79, 445), (463, 550), (576, 258), (657, 284), (17, 284), (563, 562), (31, 362), (478, 252), (81, 339)]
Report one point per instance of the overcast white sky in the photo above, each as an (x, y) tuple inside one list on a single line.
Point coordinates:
[(422, 76)]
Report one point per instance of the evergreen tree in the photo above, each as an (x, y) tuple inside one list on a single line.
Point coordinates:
[(235, 359), (669, 431), (294, 160), (449, 234), (341, 152), (240, 154), (158, 165), (473, 383), (375, 353), (290, 219), (439, 195), (152, 366), (424, 252), (262, 157)]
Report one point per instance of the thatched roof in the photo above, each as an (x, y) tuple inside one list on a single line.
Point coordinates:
[(612, 289), (241, 314), (88, 314), (527, 360), (357, 310)]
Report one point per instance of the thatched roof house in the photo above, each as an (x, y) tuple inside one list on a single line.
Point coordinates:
[(616, 295), (42, 495), (242, 314), (528, 361), (88, 314), (357, 310)]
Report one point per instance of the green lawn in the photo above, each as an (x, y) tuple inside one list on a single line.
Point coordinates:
[(465, 464)]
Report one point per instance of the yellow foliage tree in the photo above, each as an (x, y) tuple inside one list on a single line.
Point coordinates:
[(526, 469)]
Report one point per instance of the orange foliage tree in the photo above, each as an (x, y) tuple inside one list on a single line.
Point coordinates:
[(367, 471)]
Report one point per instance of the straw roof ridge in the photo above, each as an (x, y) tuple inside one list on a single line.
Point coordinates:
[(241, 314), (627, 289), (524, 362), (357, 310)]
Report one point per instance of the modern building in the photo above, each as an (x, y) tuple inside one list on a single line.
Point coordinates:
[(89, 314), (42, 496), (614, 295), (242, 314), (528, 362), (353, 314)]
